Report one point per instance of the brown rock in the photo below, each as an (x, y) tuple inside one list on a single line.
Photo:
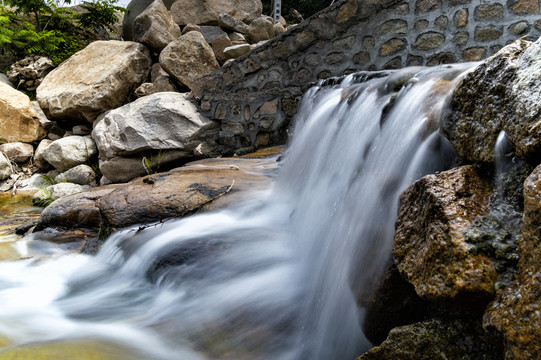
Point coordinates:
[(392, 46), (218, 46), (477, 107), (182, 191), (526, 7), (430, 249), (422, 6), (188, 58), (155, 27), (515, 314), (429, 41), (98, 78), (260, 29), (474, 54), (461, 18), (206, 12), (347, 11), (18, 119)]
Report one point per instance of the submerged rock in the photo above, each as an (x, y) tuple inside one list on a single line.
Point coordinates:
[(436, 339), (430, 248)]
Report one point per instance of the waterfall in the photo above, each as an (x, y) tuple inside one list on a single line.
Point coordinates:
[(277, 277)]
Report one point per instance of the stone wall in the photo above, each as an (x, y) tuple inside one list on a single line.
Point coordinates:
[(255, 96)]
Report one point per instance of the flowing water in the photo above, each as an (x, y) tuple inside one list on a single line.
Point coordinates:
[(277, 277)]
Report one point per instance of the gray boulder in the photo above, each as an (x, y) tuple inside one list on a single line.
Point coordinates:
[(39, 161), (155, 27), (17, 152), (5, 167), (162, 127), (98, 78), (188, 58), (69, 152), (80, 174), (57, 191)]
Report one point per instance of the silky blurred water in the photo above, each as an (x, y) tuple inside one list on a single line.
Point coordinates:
[(277, 277)]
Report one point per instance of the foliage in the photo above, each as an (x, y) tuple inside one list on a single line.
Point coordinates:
[(43, 27), (306, 8), (100, 14), (152, 164)]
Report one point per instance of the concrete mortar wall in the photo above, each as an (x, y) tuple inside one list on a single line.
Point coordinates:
[(255, 96)]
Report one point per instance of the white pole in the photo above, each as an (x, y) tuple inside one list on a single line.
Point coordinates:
[(277, 10)]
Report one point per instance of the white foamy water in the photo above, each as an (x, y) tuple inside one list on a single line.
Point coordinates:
[(275, 278)]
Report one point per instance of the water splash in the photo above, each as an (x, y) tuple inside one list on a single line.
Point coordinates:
[(278, 277)]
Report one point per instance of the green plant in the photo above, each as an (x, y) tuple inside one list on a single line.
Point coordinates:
[(45, 27), (152, 164)]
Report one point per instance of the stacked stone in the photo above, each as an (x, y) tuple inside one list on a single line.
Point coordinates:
[(351, 36), (28, 73)]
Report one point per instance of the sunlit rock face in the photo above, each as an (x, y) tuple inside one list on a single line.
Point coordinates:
[(162, 125), (431, 250), (98, 78), (18, 119)]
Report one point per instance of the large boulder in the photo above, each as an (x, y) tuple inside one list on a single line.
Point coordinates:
[(521, 123), (436, 339), (202, 185), (188, 58), (478, 108), (69, 152), (184, 190), (18, 119), (206, 12), (155, 27), (431, 250), (163, 122), (515, 315), (136, 7), (100, 77)]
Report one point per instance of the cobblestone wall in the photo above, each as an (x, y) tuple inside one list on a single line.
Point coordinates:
[(255, 97)]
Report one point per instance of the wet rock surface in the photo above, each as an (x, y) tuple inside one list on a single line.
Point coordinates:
[(430, 249), (436, 339), (515, 316)]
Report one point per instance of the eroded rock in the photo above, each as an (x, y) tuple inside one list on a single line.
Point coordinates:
[(515, 315), (430, 249)]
